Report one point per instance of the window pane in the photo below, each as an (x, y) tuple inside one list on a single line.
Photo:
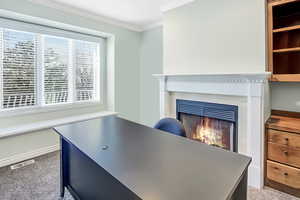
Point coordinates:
[(56, 56), (86, 54), (18, 69)]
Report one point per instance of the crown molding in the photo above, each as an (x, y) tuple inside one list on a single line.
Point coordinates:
[(175, 4), (46, 22), (152, 26), (86, 14)]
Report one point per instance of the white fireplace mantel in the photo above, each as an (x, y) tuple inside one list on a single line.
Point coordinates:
[(222, 76), (250, 85)]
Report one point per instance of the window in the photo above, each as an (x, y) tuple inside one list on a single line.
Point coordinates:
[(42, 66), (56, 62), (18, 70), (86, 58)]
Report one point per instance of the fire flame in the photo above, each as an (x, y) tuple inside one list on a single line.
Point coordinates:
[(209, 133)]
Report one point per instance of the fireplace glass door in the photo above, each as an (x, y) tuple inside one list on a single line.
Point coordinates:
[(208, 130)]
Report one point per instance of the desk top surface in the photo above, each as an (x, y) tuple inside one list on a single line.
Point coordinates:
[(154, 164)]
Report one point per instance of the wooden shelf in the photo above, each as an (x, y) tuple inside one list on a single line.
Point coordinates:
[(280, 2), (285, 78), (286, 50), (284, 40), (291, 28)]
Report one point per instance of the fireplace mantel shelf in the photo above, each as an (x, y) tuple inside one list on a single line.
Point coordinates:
[(220, 77)]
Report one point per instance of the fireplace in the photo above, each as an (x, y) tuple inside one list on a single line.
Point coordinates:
[(210, 123), (248, 91)]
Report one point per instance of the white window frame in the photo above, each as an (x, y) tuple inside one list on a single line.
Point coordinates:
[(40, 106)]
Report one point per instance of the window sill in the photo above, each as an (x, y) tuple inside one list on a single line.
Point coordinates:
[(21, 129), (45, 109)]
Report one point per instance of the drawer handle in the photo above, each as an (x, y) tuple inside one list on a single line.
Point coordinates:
[(286, 174), (287, 141), (286, 153)]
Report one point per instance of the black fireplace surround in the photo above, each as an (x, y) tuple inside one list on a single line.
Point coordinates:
[(212, 110)]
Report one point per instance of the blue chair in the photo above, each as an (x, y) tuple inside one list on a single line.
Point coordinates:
[(172, 126)]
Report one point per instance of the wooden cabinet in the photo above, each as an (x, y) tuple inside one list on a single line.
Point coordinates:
[(283, 174), (284, 138), (282, 170), (284, 40), (284, 154)]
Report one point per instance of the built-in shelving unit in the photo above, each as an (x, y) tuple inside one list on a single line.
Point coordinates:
[(284, 40)]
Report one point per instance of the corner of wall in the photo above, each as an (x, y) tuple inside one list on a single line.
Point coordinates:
[(150, 63)]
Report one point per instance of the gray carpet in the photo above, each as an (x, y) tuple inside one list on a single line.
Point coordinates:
[(40, 181)]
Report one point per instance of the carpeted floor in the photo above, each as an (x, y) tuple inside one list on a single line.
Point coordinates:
[(40, 181)]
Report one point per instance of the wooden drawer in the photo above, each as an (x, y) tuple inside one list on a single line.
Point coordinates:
[(284, 138), (284, 154), (283, 174)]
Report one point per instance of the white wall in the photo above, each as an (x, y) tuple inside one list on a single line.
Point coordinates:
[(285, 96), (127, 77), (16, 149), (215, 36), (222, 36), (151, 63)]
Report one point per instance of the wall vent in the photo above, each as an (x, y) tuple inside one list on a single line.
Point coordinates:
[(22, 164)]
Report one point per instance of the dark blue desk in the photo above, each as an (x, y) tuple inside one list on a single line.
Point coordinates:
[(114, 159)]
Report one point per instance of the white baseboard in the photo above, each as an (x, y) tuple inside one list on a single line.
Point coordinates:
[(28, 155)]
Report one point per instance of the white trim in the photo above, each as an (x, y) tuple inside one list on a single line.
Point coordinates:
[(28, 155), (88, 14), (153, 25), (71, 72), (241, 77), (45, 22), (175, 4), (224, 84), (48, 108), (25, 128), (39, 81), (98, 76), (50, 4), (109, 92)]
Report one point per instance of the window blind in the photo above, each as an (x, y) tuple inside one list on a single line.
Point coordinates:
[(43, 66), (19, 72), (85, 54), (56, 62)]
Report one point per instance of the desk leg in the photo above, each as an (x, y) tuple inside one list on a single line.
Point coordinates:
[(241, 191), (62, 169)]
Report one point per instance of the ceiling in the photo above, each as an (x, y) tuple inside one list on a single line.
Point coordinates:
[(137, 13)]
